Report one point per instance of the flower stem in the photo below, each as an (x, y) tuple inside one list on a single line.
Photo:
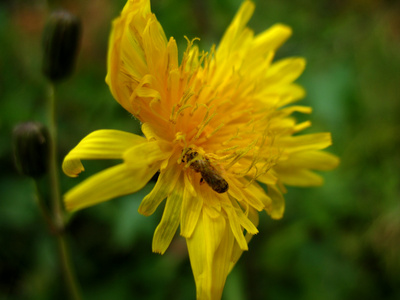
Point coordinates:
[(58, 213), (67, 268), (43, 209), (54, 180)]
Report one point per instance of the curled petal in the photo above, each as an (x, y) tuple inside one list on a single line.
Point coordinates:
[(100, 144)]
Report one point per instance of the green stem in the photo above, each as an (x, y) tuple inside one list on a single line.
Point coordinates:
[(43, 209), (67, 268), (54, 180), (58, 213)]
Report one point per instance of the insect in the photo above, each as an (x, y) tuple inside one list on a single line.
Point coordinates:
[(207, 171)]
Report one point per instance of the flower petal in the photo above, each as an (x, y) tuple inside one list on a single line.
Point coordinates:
[(236, 227), (145, 154), (284, 112), (316, 160), (237, 191), (191, 209), (235, 29), (277, 207), (285, 71), (169, 223), (299, 177), (137, 47), (267, 178), (289, 93), (255, 191), (247, 224), (210, 251), (165, 184), (270, 39), (314, 141), (110, 183), (100, 144), (253, 217)]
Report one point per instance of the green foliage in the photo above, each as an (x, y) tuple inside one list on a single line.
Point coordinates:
[(337, 242)]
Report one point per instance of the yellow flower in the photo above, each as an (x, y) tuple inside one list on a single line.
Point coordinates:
[(216, 126)]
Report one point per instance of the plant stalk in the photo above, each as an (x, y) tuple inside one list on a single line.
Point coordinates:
[(58, 213)]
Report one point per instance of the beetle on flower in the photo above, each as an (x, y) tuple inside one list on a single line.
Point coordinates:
[(226, 114)]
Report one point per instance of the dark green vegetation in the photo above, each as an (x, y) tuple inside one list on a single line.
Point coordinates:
[(337, 242)]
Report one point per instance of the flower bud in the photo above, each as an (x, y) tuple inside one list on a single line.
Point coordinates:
[(31, 148), (61, 39)]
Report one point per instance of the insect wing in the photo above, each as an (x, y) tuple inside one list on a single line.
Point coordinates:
[(215, 181)]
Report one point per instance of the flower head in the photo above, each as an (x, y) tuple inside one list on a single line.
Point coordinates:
[(217, 126)]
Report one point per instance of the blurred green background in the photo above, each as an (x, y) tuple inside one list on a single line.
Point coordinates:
[(339, 241)]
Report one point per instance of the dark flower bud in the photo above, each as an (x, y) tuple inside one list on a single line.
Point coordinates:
[(31, 148), (61, 39)]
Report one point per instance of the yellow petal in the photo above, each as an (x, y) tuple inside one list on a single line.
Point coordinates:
[(284, 93), (285, 70), (255, 191), (291, 93), (169, 223), (316, 160), (236, 227), (277, 207), (253, 217), (295, 108), (146, 154), (271, 39), (210, 251), (191, 208), (299, 177), (110, 183), (267, 178), (149, 132), (118, 40), (155, 46), (164, 186), (247, 224), (314, 141), (172, 50), (237, 191), (100, 144), (235, 29), (301, 126), (137, 47)]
